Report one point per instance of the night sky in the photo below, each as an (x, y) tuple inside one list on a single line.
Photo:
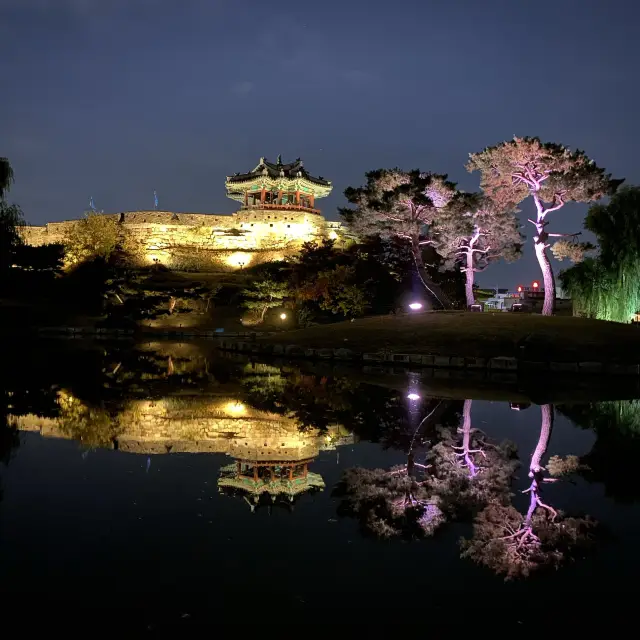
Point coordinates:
[(116, 98)]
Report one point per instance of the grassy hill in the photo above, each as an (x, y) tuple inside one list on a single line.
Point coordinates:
[(527, 336)]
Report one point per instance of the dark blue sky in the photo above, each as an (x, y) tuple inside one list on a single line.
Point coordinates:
[(113, 98)]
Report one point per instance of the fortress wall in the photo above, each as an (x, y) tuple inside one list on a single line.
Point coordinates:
[(161, 426), (196, 241), (36, 236)]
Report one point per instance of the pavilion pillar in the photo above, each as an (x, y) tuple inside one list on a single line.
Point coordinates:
[(263, 193), (239, 467), (312, 201), (291, 472), (298, 198), (255, 473), (246, 198), (305, 470), (279, 197)]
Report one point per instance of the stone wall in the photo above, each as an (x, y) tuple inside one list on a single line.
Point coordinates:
[(200, 242), (213, 424)]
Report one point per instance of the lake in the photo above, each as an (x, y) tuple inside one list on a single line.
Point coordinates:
[(167, 482)]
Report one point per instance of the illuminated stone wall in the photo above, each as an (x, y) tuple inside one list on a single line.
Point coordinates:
[(204, 242), (201, 424)]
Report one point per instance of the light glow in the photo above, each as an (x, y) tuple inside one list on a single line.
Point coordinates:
[(239, 259), (413, 396), (235, 408), (415, 306), (283, 316)]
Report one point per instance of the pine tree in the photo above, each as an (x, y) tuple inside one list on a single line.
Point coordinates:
[(264, 295), (472, 233), (401, 204), (551, 175)]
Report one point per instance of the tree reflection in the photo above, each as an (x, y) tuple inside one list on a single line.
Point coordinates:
[(462, 472), (468, 469), (9, 434), (90, 425), (514, 544), (390, 503), (372, 413), (612, 459)]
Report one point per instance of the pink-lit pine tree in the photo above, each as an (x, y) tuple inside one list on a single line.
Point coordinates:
[(551, 175), (472, 233), (402, 204)]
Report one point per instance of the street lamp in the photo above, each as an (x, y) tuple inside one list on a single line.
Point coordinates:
[(413, 396), (283, 316), (535, 284), (415, 306)]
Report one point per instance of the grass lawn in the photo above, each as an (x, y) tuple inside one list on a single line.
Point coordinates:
[(527, 336)]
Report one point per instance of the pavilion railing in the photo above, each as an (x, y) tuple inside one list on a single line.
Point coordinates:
[(281, 207)]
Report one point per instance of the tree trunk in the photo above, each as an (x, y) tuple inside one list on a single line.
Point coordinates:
[(543, 440), (435, 294), (540, 246), (471, 299), (466, 438), (535, 468)]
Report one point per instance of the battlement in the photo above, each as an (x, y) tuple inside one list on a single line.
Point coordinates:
[(210, 242), (277, 216)]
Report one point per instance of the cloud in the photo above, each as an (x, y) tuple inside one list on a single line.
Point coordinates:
[(242, 88)]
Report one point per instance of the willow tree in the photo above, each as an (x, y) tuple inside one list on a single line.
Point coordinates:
[(608, 287), (6, 177), (548, 173), (472, 233), (402, 204)]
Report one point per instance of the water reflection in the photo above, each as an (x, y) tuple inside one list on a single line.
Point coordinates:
[(515, 544), (440, 469)]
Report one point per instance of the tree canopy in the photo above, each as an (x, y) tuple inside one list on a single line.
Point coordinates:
[(404, 205), (475, 232), (549, 173), (607, 287), (6, 177), (95, 236), (265, 294), (11, 224)]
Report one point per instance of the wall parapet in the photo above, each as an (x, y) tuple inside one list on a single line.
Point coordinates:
[(200, 241)]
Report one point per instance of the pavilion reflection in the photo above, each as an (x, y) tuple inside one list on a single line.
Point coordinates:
[(271, 451), (272, 464)]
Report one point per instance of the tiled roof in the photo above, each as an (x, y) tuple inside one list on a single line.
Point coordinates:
[(279, 170)]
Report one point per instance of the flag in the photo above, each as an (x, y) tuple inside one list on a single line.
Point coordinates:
[(92, 204), (155, 198)]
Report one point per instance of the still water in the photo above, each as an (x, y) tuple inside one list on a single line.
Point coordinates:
[(170, 478)]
